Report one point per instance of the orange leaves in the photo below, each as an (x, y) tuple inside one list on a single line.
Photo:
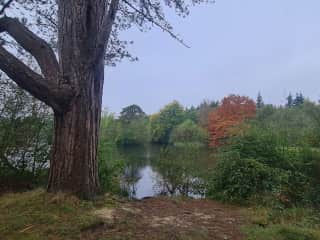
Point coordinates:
[(232, 112)]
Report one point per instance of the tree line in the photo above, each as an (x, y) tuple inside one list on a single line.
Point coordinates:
[(26, 130)]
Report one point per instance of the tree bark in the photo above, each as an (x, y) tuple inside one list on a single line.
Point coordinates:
[(73, 166)]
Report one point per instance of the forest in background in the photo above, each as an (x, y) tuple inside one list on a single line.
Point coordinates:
[(273, 149)]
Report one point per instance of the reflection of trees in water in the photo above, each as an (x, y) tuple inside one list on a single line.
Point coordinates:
[(135, 158), (193, 187), (179, 169), (130, 179)]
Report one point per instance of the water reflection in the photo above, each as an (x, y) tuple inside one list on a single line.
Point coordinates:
[(154, 170)]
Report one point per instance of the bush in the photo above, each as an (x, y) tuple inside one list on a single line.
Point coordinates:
[(109, 161), (304, 181), (236, 179), (110, 168), (301, 165), (257, 143), (25, 138)]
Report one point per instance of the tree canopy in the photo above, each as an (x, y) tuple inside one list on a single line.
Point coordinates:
[(132, 112), (233, 111), (163, 122)]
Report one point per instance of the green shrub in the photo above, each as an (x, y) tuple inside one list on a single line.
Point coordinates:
[(260, 144), (110, 168), (301, 164), (303, 183), (110, 163), (236, 179), (25, 138)]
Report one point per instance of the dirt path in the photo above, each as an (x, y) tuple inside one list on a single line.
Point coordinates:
[(168, 219)]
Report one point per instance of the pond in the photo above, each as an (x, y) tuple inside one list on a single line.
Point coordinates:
[(155, 170)]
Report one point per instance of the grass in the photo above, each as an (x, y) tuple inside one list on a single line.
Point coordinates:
[(38, 215), (283, 224)]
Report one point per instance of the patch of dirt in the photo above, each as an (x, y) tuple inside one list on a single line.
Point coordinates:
[(105, 213), (171, 219)]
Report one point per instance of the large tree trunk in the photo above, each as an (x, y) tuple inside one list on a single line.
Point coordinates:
[(73, 164), (72, 85)]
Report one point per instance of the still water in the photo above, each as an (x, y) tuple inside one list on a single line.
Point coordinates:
[(153, 170)]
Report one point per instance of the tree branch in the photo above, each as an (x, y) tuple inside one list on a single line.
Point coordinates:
[(5, 6), (48, 92), (163, 28), (106, 27), (36, 46)]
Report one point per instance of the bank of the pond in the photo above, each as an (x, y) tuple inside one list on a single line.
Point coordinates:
[(37, 215)]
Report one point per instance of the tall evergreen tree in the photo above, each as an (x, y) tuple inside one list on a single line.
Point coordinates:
[(289, 101), (299, 100), (260, 102)]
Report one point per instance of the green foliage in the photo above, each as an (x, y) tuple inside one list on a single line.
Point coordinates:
[(292, 126), (237, 179), (294, 168), (312, 111), (295, 133), (132, 112), (285, 224), (133, 127), (25, 138), (256, 143), (304, 180), (298, 126), (265, 112), (165, 121), (109, 160), (188, 132), (134, 132), (192, 114)]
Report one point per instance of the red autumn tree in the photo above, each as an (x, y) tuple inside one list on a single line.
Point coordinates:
[(232, 112)]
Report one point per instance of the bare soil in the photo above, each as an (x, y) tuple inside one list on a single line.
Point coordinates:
[(169, 219)]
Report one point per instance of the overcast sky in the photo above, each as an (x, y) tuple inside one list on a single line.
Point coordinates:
[(237, 46)]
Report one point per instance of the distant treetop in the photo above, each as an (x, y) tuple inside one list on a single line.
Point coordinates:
[(260, 102), (132, 112)]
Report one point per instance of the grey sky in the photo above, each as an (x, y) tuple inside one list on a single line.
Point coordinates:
[(237, 46)]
